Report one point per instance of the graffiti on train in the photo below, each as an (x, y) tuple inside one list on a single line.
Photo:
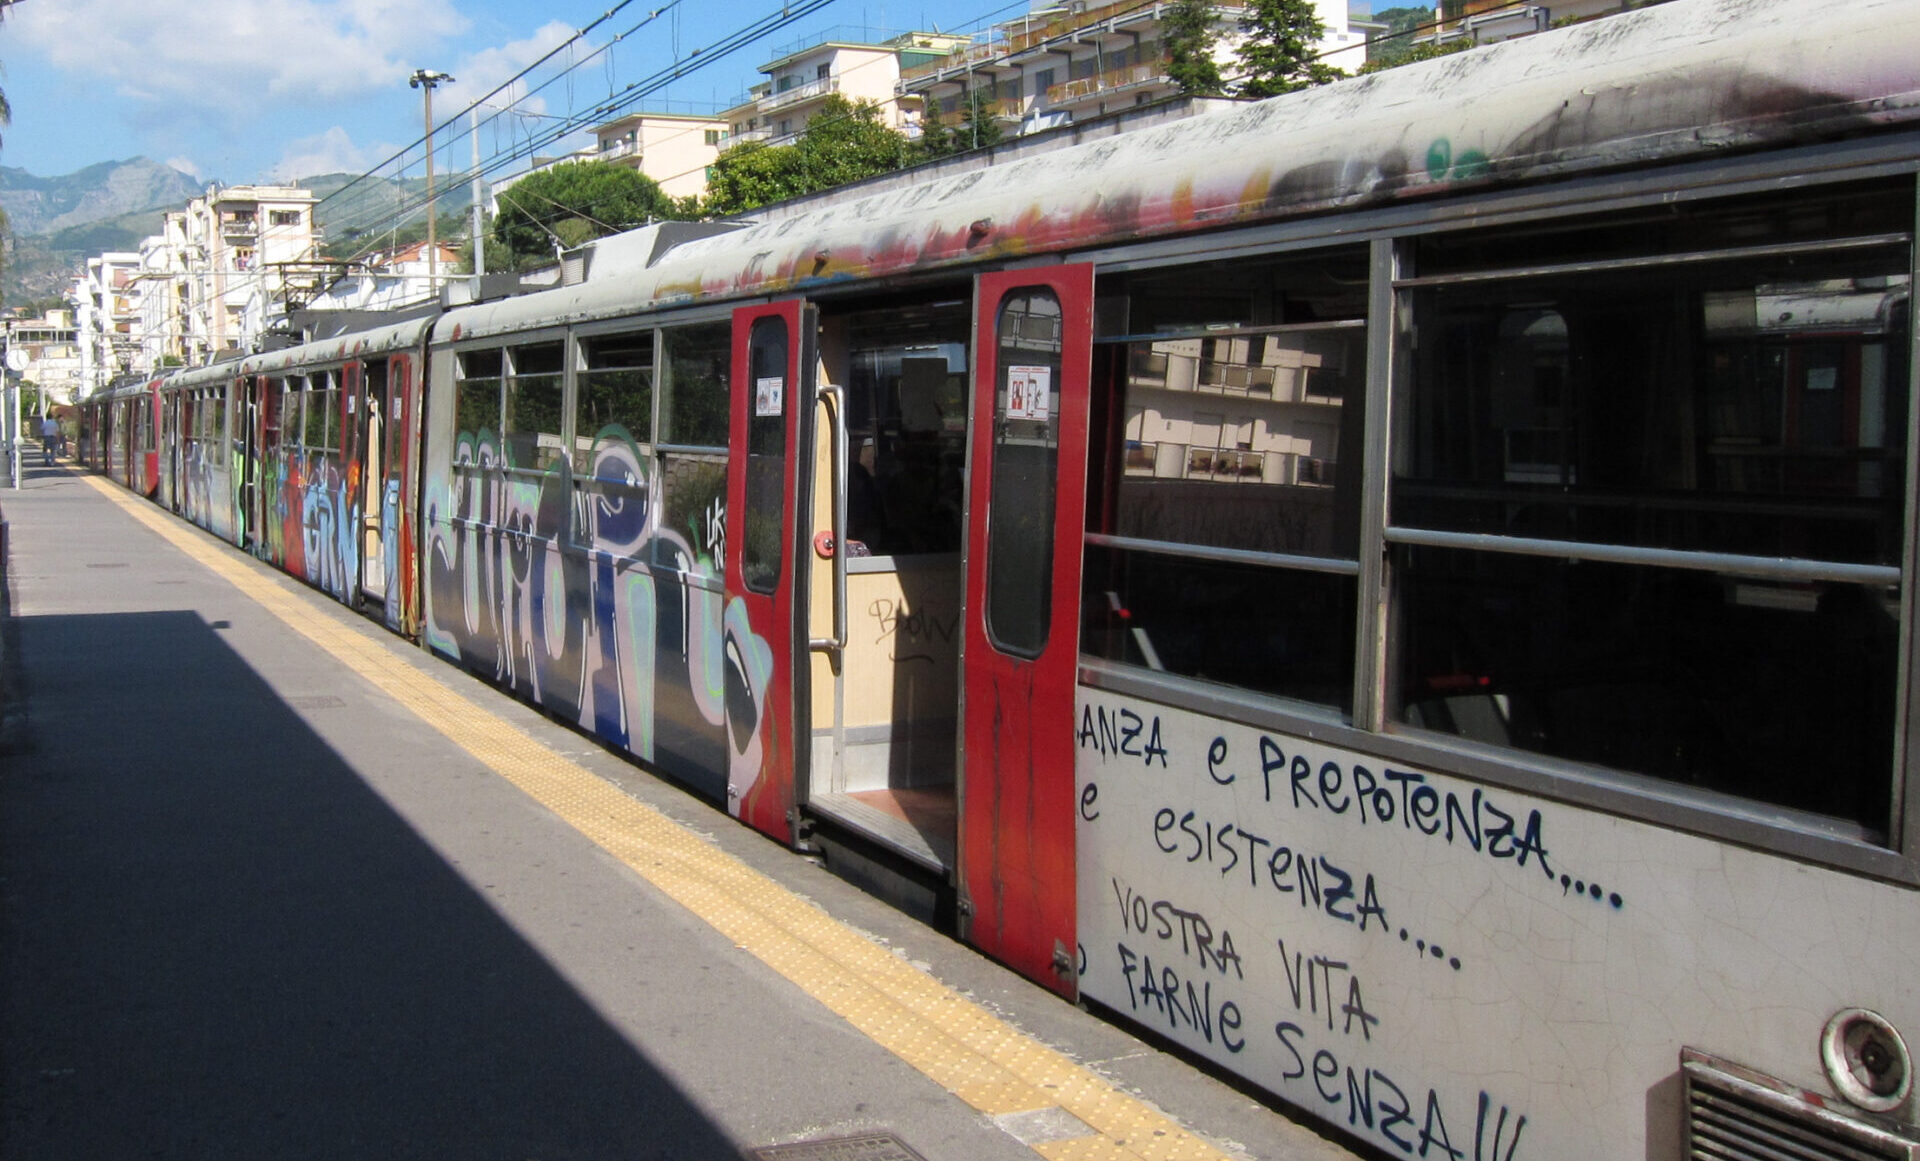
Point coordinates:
[(1273, 903), (307, 528), (1290, 775), (575, 593), (913, 633)]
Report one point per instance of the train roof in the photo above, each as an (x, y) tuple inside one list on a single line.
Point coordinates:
[(1661, 84), (359, 344)]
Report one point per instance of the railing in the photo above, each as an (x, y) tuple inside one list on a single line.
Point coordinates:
[(1029, 36), (1113, 80), (619, 149), (819, 86), (1011, 109), (958, 59)]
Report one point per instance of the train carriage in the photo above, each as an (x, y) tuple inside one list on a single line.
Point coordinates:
[(1400, 589)]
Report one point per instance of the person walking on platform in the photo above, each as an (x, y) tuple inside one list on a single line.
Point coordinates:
[(49, 438)]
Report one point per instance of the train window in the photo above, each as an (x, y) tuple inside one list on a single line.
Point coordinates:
[(695, 369), (612, 431), (1654, 509), (907, 422), (532, 438), (1317, 286), (693, 394), (1233, 511), (615, 394), (476, 397), (1226, 517), (1026, 454), (768, 345), (288, 393), (321, 431)]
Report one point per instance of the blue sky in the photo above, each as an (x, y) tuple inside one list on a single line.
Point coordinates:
[(257, 90)]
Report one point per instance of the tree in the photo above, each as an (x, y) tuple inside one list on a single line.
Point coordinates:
[(978, 129), (1417, 52), (1187, 28), (572, 203), (752, 174), (1281, 52), (1395, 45), (843, 142)]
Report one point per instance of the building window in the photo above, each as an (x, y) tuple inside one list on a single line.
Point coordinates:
[(1042, 81), (283, 217), (822, 72), (714, 136)]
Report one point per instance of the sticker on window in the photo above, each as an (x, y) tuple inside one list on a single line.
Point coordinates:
[(1029, 393), (768, 396)]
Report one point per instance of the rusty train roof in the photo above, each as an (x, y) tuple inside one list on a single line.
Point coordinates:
[(1667, 83)]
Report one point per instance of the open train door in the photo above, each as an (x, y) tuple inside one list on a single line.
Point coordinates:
[(764, 626), (1025, 520)]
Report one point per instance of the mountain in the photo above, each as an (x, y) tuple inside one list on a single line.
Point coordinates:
[(59, 222), (111, 189)]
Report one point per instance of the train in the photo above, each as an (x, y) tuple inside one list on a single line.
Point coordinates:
[(1398, 589)]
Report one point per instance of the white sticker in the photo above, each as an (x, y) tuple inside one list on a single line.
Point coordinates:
[(769, 396), (1030, 393)]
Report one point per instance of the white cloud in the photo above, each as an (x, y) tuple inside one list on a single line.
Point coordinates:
[(330, 152), (187, 166), (232, 53), (482, 71)]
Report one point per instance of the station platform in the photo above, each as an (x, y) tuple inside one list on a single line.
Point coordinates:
[(275, 883)]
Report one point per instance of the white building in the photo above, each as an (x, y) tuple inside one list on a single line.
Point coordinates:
[(839, 62), (241, 245), (48, 350), (106, 318), (674, 149)]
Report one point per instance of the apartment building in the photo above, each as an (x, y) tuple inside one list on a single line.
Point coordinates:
[(1485, 21), (674, 149), (48, 353), (107, 317), (859, 65), (1058, 65), (240, 244)]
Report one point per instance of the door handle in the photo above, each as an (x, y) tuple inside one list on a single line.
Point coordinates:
[(835, 400)]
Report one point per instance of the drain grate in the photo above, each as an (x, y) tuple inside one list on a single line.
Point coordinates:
[(860, 1147)]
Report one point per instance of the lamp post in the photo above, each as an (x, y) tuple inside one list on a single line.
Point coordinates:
[(425, 80)]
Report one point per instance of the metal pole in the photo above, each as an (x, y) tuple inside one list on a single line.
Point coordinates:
[(426, 79), (433, 248), (479, 249), (12, 415)]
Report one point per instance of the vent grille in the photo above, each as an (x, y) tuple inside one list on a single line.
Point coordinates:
[(1736, 1114)]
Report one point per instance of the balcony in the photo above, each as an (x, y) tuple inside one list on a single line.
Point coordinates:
[(611, 150), (1033, 35), (959, 60), (1111, 81), (818, 87), (1011, 109), (246, 227)]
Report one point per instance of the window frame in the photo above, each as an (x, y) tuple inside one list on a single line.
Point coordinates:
[(1391, 233)]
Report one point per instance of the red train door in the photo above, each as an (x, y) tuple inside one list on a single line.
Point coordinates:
[(765, 634), (1025, 519)]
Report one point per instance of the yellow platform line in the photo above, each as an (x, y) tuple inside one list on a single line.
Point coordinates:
[(958, 1044)]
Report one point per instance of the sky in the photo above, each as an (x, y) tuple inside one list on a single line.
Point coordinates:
[(245, 91)]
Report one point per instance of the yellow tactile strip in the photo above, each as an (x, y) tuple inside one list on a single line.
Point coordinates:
[(955, 1042)]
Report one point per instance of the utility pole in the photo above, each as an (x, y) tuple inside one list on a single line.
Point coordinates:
[(425, 80), (479, 249)]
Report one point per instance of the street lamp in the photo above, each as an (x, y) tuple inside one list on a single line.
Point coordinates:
[(425, 80)]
